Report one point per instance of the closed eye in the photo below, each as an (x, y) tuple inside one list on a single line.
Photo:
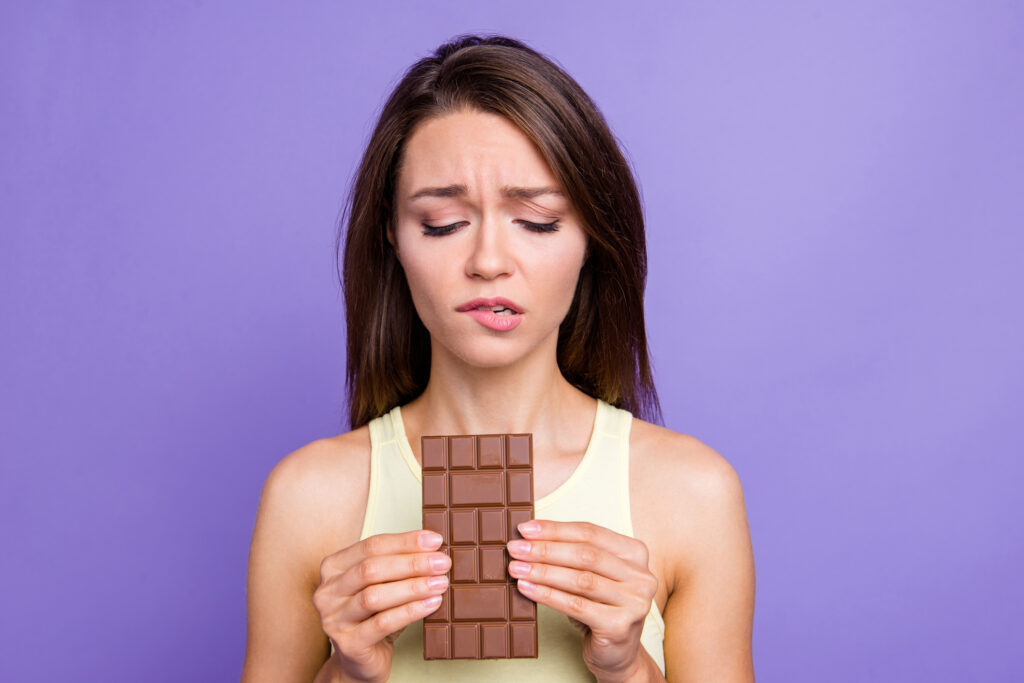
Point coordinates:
[(541, 227), (437, 231), (432, 231)]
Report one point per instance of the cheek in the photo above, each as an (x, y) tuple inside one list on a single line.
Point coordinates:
[(428, 286), (417, 275), (559, 275), (555, 279)]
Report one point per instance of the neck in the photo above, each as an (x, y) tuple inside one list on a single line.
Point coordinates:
[(529, 396)]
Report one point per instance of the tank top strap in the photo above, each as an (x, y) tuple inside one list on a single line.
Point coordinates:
[(598, 490), (617, 426), (394, 476), (617, 422), (378, 430), (611, 447)]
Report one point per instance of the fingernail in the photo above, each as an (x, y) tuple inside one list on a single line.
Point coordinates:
[(528, 528), (437, 581), (432, 602), (525, 585), (438, 562), (430, 540), (517, 567), (521, 547)]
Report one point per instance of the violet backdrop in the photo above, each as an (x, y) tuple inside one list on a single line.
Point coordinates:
[(835, 203)]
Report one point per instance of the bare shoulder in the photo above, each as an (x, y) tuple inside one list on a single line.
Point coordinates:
[(682, 491), (677, 463), (321, 489)]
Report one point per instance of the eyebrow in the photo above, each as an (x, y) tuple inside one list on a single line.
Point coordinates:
[(508, 191)]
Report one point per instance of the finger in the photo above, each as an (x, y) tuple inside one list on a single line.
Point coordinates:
[(378, 569), (594, 614), (581, 582), (576, 555), (374, 629), (379, 544), (626, 547), (384, 596)]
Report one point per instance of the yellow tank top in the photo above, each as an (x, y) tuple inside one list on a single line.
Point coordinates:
[(597, 491)]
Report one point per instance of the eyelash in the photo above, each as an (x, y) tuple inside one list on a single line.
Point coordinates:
[(432, 231)]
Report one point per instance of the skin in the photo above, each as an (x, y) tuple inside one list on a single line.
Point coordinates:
[(692, 552)]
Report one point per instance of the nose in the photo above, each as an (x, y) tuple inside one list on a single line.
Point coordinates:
[(490, 257)]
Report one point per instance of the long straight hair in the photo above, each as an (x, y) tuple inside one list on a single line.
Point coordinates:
[(602, 342)]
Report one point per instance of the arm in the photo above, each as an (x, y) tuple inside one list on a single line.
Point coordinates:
[(285, 640), (709, 614)]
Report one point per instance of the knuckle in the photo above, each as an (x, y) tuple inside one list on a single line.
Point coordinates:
[(370, 599), (576, 604), (384, 621), (586, 581), (326, 569), (374, 545), (325, 599), (587, 532), (642, 552), (586, 555), (368, 570), (318, 598), (329, 624)]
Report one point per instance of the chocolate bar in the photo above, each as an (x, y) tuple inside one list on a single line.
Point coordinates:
[(476, 489)]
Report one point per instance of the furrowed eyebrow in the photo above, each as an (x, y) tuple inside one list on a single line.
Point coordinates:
[(510, 192)]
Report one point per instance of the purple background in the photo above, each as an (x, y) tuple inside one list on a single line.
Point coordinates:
[(834, 203)]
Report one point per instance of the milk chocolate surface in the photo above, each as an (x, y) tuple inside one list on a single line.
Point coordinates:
[(476, 489)]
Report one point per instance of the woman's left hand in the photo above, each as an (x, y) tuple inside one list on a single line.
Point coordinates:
[(597, 577)]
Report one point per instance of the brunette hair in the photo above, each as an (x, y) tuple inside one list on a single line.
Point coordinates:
[(602, 343)]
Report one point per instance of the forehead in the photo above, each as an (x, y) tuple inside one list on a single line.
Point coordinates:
[(477, 150)]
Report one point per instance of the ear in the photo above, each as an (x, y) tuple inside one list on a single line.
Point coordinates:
[(390, 233)]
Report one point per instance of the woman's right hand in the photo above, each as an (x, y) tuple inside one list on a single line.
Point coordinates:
[(373, 589)]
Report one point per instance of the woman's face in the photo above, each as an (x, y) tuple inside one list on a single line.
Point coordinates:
[(480, 216)]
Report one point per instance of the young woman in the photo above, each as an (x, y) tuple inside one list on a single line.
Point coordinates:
[(494, 268)]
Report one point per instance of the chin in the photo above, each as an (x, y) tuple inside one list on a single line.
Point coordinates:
[(489, 356), (482, 350)]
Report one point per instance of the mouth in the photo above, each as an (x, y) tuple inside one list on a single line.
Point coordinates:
[(498, 314), (496, 305)]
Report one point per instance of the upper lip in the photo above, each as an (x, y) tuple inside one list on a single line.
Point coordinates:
[(490, 303)]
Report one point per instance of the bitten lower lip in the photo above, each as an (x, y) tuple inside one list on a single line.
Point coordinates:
[(500, 323)]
